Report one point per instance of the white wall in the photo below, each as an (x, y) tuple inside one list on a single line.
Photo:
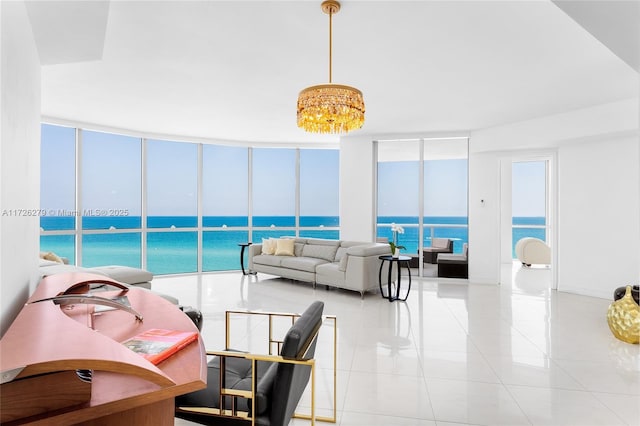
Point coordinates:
[(357, 190), (506, 209), (20, 159), (551, 131), (484, 217), (599, 232), (598, 185)]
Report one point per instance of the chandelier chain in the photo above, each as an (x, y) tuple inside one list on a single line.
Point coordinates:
[(330, 108), (330, 43)]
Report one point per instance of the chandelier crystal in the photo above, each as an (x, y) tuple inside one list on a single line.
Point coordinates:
[(330, 108)]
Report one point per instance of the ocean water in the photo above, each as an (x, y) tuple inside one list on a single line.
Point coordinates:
[(174, 248)]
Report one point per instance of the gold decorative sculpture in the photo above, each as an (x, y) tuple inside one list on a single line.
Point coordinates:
[(623, 317)]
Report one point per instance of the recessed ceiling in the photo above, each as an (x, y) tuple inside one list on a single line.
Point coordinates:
[(211, 70)]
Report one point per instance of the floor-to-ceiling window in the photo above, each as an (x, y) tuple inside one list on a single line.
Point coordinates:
[(225, 205), (172, 206), (398, 194), (273, 190), (110, 203), (319, 193), (529, 200), (446, 191), (423, 187), (177, 207), (58, 190)]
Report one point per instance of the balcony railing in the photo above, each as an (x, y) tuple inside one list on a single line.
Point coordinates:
[(168, 250)]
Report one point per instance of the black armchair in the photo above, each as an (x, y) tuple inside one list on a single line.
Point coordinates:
[(268, 385)]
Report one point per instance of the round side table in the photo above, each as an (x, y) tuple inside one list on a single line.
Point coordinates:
[(244, 246), (400, 260)]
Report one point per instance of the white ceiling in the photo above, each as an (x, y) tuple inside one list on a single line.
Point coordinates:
[(212, 70)]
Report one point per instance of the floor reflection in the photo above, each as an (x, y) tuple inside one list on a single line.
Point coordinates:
[(515, 353)]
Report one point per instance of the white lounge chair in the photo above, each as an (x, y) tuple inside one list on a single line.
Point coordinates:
[(531, 251)]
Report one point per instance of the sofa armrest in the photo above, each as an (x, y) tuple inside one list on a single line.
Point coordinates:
[(363, 265), (373, 249), (254, 250)]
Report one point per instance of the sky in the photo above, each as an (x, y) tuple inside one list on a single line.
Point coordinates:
[(445, 188), (111, 179), (528, 188)]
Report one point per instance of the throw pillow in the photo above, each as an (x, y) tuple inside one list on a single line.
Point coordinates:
[(268, 246), (284, 247), (50, 256)]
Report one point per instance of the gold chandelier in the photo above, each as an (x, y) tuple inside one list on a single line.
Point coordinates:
[(330, 108)]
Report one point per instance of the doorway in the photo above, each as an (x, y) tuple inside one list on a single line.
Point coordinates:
[(531, 194)]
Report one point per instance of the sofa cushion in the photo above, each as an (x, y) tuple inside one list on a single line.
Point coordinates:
[(269, 245), (284, 247), (295, 239), (330, 273), (347, 244), (342, 265), (451, 258), (440, 242), (341, 252), (267, 259), (44, 262), (325, 252), (307, 264), (124, 274), (323, 242), (298, 244), (59, 268)]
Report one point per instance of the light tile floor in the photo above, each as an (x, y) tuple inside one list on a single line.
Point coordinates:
[(452, 354)]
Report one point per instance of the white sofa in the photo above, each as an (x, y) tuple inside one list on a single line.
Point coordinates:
[(533, 251), (350, 265), (124, 274)]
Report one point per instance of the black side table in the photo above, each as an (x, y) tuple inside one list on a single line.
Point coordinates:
[(244, 246), (400, 260)]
